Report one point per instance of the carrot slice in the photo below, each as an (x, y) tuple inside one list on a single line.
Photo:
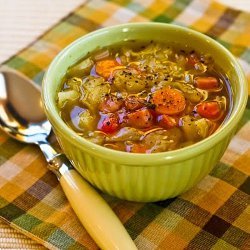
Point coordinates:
[(210, 110), (169, 101), (105, 68), (206, 82)]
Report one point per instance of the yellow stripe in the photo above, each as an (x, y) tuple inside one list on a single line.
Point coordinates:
[(156, 8), (240, 222), (243, 37), (216, 197), (64, 34), (11, 191), (239, 33), (186, 229), (98, 14), (209, 18)]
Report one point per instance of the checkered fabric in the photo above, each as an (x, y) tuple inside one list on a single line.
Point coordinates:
[(215, 214)]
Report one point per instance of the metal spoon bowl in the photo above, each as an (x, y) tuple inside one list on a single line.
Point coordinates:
[(22, 117)]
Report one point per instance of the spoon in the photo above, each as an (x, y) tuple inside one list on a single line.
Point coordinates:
[(22, 117)]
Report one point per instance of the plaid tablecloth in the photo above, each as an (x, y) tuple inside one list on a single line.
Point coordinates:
[(213, 215)]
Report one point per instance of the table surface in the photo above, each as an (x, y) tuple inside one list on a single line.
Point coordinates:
[(25, 17)]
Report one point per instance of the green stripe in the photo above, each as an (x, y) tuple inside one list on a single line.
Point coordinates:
[(173, 11), (137, 223), (191, 212), (45, 231), (27, 222), (61, 240), (229, 174), (9, 148), (81, 22), (10, 211), (246, 56), (136, 7), (38, 78), (26, 67)]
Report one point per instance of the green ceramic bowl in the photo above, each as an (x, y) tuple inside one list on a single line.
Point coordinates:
[(144, 177)]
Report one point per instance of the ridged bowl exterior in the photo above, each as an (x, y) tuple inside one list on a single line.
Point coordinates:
[(142, 183), (144, 177)]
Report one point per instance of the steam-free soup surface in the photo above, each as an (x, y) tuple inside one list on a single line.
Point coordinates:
[(144, 97)]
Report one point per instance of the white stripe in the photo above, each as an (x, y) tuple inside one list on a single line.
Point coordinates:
[(9, 170), (122, 15), (193, 12), (145, 3), (239, 145), (207, 183)]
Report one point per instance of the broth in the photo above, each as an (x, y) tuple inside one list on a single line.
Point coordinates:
[(144, 97)]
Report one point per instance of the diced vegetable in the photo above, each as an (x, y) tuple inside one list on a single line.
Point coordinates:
[(75, 83), (110, 104), (203, 127), (168, 101), (166, 121), (81, 68), (141, 118), (126, 134), (108, 124), (129, 80), (163, 140), (192, 59), (94, 90), (189, 128), (97, 137), (136, 148), (86, 121), (135, 85), (209, 109), (190, 93), (194, 129), (195, 64), (206, 82), (67, 95), (133, 102)]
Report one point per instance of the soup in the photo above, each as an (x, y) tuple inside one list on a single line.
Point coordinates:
[(144, 97)]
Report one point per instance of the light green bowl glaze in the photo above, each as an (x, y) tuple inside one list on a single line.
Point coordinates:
[(144, 177)]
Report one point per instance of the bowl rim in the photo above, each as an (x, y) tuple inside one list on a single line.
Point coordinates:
[(177, 155)]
